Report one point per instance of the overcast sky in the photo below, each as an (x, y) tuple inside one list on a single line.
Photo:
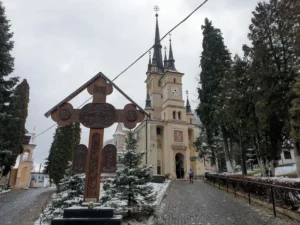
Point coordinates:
[(60, 44)]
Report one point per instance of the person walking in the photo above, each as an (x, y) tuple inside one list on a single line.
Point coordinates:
[(191, 175)]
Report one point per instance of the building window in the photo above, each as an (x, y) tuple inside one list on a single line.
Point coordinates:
[(158, 170), (287, 154), (191, 121), (158, 131), (179, 115), (174, 80), (164, 116), (174, 115)]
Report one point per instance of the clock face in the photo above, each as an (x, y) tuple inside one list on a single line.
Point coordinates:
[(165, 93), (175, 91)]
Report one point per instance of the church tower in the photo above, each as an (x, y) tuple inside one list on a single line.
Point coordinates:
[(154, 73), (168, 135)]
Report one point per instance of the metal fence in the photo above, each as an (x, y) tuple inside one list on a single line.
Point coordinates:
[(285, 197)]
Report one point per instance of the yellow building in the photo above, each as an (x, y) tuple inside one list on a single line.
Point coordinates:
[(169, 133), (20, 177)]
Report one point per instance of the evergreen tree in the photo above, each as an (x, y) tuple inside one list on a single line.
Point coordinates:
[(295, 123), (273, 60), (215, 64), (129, 183), (6, 89), (66, 138), (18, 110), (70, 194)]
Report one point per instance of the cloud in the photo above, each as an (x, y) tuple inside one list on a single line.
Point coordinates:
[(59, 45)]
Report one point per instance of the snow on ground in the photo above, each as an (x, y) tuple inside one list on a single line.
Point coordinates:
[(284, 170), (159, 188), (4, 191)]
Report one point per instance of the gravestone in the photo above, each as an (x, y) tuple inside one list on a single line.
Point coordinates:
[(79, 159), (109, 159)]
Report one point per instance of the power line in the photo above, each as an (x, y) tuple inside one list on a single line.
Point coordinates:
[(139, 56)]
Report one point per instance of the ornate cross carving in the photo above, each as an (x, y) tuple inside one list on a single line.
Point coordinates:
[(97, 116)]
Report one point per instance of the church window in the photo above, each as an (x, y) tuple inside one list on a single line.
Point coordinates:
[(191, 121), (174, 80), (179, 115), (158, 131), (164, 116), (174, 115), (287, 155)]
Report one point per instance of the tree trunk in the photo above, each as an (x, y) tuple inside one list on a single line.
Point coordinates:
[(297, 157), (226, 150), (231, 152), (259, 159), (244, 167)]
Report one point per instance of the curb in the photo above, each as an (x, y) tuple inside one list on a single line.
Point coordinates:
[(149, 222), (284, 212)]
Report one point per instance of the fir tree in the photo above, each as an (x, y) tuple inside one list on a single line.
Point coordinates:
[(6, 89), (65, 140), (70, 194), (129, 183)]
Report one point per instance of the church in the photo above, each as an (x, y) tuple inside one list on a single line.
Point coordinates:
[(168, 134)]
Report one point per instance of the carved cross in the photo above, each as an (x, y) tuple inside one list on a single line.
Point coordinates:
[(97, 116)]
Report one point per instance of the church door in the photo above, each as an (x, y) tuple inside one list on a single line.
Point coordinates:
[(179, 165)]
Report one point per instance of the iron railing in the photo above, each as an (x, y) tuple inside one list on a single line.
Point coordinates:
[(277, 195)]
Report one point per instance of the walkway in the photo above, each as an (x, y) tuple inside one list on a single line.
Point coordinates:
[(201, 203), (23, 207)]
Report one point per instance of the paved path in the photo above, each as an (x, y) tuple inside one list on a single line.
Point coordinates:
[(22, 207), (201, 203)]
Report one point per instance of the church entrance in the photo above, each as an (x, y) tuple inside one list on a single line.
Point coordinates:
[(179, 165)]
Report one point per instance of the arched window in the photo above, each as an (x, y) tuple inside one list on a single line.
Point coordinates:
[(174, 115), (174, 80), (164, 116), (179, 115), (191, 121)]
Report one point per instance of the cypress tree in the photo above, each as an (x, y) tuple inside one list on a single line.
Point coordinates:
[(66, 138), (6, 89), (215, 64)]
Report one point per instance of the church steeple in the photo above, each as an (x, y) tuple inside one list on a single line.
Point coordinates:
[(188, 106), (171, 61), (157, 56), (165, 60), (149, 64), (148, 102)]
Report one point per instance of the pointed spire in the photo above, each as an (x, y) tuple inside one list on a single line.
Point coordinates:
[(148, 102), (119, 130), (157, 56), (149, 64), (171, 61), (165, 60), (188, 106)]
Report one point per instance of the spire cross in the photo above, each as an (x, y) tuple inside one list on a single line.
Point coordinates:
[(150, 53), (165, 48), (156, 9), (170, 37), (187, 93)]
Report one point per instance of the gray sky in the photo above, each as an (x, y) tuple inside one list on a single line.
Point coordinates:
[(60, 44)]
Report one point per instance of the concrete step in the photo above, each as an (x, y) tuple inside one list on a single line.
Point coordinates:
[(83, 212), (116, 220)]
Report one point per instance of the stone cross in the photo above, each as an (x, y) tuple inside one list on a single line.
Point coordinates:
[(97, 116)]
